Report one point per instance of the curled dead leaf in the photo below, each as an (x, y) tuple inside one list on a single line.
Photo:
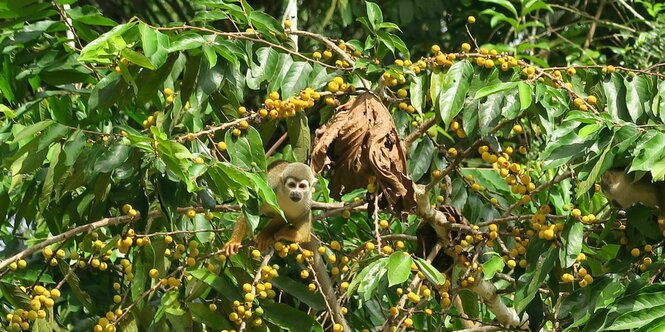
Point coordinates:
[(360, 141)]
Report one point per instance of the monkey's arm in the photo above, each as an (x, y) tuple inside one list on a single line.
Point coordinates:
[(267, 235), (239, 232), (300, 232)]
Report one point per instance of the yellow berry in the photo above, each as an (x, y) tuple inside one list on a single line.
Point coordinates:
[(471, 19), (191, 214), (466, 47), (153, 273)]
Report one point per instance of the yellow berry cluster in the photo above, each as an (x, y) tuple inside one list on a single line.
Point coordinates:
[(456, 127), (393, 80), (492, 58), (371, 184), (168, 95), (129, 210), (150, 120), (518, 253), (40, 299), (20, 264), (123, 244), (274, 107), (106, 323), (242, 311)]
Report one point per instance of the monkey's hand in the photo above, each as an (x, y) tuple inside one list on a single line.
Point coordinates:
[(231, 248), (264, 240)]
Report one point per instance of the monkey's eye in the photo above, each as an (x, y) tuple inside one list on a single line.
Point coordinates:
[(303, 186), (291, 185)]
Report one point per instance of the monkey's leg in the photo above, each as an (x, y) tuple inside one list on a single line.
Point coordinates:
[(266, 237), (239, 231)]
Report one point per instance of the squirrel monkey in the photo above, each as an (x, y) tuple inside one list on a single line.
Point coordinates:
[(292, 184), (623, 191)]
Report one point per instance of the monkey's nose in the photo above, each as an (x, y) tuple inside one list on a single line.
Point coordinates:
[(295, 197)]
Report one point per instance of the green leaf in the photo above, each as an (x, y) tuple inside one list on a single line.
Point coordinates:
[(453, 91), (31, 130), (421, 158), (529, 282), (374, 14), (137, 58), (246, 149), (489, 112), (74, 284), (505, 4), (300, 291), (600, 166), (201, 313), (638, 96), (525, 95), (105, 93), (210, 55), (96, 51), (639, 317), (572, 239), (533, 5), (616, 92), (210, 79), (430, 272), (219, 282), (14, 295), (290, 319), (298, 129), (399, 268), (659, 101), (7, 111), (418, 92), (112, 158), (494, 88), (186, 41), (372, 278), (492, 266), (386, 40), (295, 79), (648, 155), (266, 25)]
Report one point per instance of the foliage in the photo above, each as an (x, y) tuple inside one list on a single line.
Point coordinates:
[(129, 149)]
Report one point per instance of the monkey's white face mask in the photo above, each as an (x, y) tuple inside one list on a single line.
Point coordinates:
[(297, 189)]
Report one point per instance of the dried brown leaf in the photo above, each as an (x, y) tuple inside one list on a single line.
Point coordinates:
[(359, 141)]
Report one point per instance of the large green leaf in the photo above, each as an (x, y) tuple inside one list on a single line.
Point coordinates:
[(399, 268), (300, 291), (298, 129), (290, 319), (615, 92), (247, 149), (638, 96), (421, 158), (494, 88), (648, 155), (452, 93), (572, 239), (295, 79), (529, 282), (114, 156), (431, 273), (201, 313), (101, 50)]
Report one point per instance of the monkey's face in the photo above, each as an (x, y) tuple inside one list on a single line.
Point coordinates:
[(297, 189)]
